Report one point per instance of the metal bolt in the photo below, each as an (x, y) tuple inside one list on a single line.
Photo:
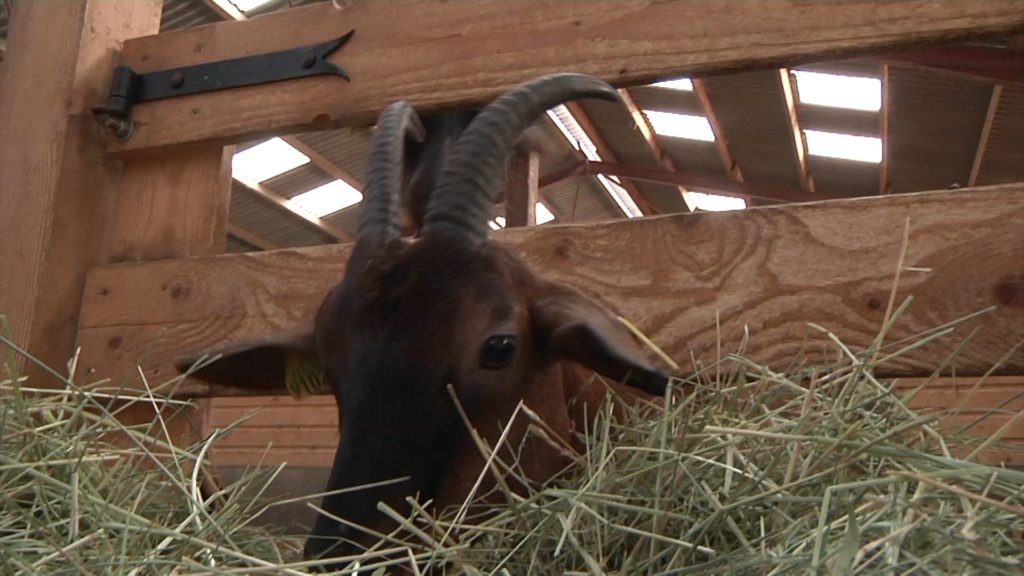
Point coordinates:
[(308, 60), (177, 80)]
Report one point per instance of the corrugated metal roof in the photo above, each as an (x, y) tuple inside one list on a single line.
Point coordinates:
[(1003, 160), (346, 148), (935, 121), (272, 222), (752, 112), (179, 14)]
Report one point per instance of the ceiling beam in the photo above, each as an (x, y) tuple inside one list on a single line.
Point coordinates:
[(251, 238), (732, 168), (714, 184), (996, 64), (883, 120), (606, 153), (986, 132), (799, 142), (319, 223)]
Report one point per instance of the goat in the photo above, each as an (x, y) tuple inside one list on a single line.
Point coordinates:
[(450, 308)]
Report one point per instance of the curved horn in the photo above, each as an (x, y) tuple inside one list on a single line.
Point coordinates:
[(469, 182), (378, 222)]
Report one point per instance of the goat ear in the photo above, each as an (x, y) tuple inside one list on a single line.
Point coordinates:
[(287, 360), (574, 327)]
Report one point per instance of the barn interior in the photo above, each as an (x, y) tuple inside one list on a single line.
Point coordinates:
[(935, 117)]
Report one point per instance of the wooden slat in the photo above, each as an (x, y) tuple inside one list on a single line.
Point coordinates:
[(768, 270), (57, 190), (426, 52)]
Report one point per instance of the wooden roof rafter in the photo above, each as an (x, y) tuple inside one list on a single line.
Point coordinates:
[(732, 168), (605, 152), (799, 140), (647, 131)]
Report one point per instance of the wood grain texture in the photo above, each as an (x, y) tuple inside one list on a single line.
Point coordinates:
[(768, 270), (173, 206), (57, 190), (425, 51)]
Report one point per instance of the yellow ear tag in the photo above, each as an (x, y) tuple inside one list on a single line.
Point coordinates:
[(303, 375)]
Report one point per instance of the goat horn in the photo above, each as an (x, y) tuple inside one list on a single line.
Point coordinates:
[(378, 221), (469, 182)]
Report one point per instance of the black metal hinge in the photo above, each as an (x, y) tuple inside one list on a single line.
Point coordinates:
[(129, 87)]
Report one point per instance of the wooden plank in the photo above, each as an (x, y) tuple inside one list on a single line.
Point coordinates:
[(769, 270), (521, 190), (426, 52), (57, 190), (173, 205), (305, 457)]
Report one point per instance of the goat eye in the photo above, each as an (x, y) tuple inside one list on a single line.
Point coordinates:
[(498, 352)]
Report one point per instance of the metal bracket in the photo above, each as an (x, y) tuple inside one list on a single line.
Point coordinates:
[(129, 87)]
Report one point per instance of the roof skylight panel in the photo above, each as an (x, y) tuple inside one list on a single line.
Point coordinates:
[(838, 91), (680, 125), (683, 84), (844, 146), (327, 199), (715, 202), (266, 160)]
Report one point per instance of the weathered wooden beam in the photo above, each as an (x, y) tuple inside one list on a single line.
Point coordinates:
[(714, 184), (799, 140), (986, 132), (768, 271), (1003, 66), (250, 237), (732, 168), (57, 191), (424, 51), (522, 190)]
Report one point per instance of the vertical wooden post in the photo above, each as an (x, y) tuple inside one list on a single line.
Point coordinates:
[(57, 190), (521, 190)]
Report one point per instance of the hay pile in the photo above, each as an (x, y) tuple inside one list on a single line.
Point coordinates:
[(823, 470)]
